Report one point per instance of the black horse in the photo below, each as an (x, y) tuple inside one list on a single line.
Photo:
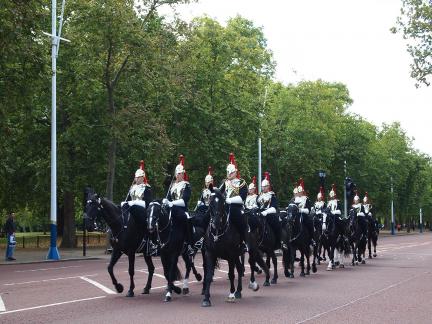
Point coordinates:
[(358, 233), (333, 229), (128, 237), (222, 240), (266, 242), (288, 254), (373, 232), (301, 239), (171, 234), (320, 239)]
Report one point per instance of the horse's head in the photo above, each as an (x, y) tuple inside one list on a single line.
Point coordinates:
[(92, 212), (216, 207), (154, 211)]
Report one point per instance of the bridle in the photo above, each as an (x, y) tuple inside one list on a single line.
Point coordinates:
[(225, 225)]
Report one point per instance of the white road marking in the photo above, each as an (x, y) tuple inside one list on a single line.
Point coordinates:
[(50, 305), (45, 269), (100, 286), (2, 305), (154, 274), (45, 280), (362, 298)]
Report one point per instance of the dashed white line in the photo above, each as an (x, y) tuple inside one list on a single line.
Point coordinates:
[(100, 286), (45, 280), (45, 269), (2, 305), (50, 305)]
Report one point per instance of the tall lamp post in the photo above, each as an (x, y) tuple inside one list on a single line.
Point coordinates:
[(421, 221), (53, 253), (260, 115), (392, 209), (345, 192)]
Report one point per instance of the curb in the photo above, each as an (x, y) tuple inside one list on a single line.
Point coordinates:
[(3, 263)]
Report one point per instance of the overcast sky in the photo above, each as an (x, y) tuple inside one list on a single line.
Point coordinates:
[(345, 41)]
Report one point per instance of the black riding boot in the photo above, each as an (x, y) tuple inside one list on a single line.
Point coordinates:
[(189, 236)]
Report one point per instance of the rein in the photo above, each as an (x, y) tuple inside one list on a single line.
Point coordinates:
[(217, 236)]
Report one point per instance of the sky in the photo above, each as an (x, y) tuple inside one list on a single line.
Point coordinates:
[(347, 41)]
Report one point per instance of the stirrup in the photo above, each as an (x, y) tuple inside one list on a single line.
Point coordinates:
[(199, 244), (190, 250)]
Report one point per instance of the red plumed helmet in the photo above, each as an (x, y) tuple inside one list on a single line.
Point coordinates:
[(142, 168), (252, 185), (266, 181), (232, 166), (301, 185), (321, 193), (333, 194), (209, 176), (180, 167)]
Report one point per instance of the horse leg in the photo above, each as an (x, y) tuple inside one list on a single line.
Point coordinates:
[(209, 266), (308, 266), (252, 282), (268, 260), (319, 248), (242, 258), (131, 270), (375, 241), (369, 247), (302, 257), (331, 264), (239, 289), (275, 266), (231, 276), (115, 256), (187, 261), (150, 269)]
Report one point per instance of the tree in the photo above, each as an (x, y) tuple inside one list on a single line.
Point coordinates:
[(415, 25)]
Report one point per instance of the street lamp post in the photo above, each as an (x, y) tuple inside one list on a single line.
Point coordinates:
[(345, 192), (392, 209), (322, 175), (260, 115), (421, 221)]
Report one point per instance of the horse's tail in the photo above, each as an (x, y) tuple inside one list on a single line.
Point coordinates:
[(178, 274)]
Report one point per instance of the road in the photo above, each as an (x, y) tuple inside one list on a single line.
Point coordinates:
[(394, 287)]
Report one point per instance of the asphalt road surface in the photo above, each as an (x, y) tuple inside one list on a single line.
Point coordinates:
[(395, 287)]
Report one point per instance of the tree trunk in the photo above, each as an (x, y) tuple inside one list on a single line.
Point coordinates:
[(69, 234), (111, 168)]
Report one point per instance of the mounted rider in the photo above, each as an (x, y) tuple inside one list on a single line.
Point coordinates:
[(139, 193), (203, 202), (268, 205), (334, 207), (177, 201), (319, 205), (357, 205), (304, 204), (367, 206), (235, 190), (251, 199)]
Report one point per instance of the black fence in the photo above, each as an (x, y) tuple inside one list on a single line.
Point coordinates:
[(43, 241)]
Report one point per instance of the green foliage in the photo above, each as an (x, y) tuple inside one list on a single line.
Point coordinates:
[(133, 86), (415, 24)]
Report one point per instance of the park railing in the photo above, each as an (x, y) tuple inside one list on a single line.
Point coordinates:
[(43, 241)]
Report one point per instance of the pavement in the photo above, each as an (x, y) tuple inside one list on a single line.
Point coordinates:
[(395, 287), (30, 255)]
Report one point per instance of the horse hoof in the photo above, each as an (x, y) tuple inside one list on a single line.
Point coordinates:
[(370, 256), (202, 292), (230, 298), (177, 290), (324, 259), (341, 266), (273, 281), (352, 263), (206, 303), (333, 266), (302, 274), (363, 262), (307, 273), (329, 268), (167, 299), (318, 262), (198, 277), (119, 288), (130, 294), (259, 271), (374, 255), (185, 291), (286, 273), (146, 291), (266, 283), (291, 275), (253, 285), (356, 263), (238, 294), (314, 269)]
